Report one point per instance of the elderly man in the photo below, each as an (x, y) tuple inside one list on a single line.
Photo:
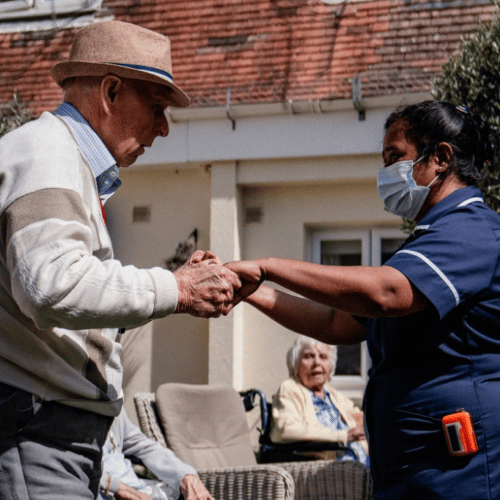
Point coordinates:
[(63, 297)]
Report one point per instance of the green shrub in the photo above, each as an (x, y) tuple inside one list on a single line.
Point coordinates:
[(472, 78), (14, 115)]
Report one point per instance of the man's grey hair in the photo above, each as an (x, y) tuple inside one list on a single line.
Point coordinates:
[(85, 84), (298, 346)]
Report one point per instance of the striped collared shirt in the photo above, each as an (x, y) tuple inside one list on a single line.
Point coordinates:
[(101, 162)]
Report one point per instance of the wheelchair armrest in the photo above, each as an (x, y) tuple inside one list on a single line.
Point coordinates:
[(278, 451)]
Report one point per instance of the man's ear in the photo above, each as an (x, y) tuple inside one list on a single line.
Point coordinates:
[(111, 85)]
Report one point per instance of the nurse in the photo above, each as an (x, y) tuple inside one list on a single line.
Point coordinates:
[(430, 314)]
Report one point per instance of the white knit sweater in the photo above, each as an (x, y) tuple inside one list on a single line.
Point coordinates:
[(294, 415), (62, 295)]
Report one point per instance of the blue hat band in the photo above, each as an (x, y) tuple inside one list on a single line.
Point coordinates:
[(147, 69)]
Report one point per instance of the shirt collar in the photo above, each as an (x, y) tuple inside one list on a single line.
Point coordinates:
[(319, 400), (452, 201), (94, 150)]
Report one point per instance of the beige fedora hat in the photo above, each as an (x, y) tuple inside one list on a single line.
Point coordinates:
[(123, 49)]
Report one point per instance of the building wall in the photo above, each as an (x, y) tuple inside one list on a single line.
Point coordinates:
[(172, 349), (297, 181)]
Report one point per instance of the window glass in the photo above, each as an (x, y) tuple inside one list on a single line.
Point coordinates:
[(341, 252), (369, 247), (389, 247)]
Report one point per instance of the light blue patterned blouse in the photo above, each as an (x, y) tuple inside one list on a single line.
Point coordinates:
[(329, 416)]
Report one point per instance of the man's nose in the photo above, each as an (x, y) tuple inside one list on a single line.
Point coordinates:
[(162, 127)]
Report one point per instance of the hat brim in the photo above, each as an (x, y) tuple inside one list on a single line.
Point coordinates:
[(69, 69)]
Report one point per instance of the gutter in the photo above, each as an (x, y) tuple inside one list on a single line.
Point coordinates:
[(311, 106)]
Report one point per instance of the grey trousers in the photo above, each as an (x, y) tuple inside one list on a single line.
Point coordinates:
[(48, 451)]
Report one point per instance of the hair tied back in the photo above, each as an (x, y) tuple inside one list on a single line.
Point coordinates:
[(463, 109)]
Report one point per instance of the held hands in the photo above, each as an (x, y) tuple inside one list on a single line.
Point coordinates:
[(205, 287), (208, 289)]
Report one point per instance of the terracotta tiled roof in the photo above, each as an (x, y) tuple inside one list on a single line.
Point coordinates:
[(269, 50)]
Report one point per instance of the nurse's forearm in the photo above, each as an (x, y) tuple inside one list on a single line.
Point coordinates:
[(359, 290), (307, 317)]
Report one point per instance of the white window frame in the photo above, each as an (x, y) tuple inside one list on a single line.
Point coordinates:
[(377, 235), (371, 255), (14, 9), (15, 5)]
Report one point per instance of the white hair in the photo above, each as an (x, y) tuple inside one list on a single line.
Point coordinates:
[(298, 346)]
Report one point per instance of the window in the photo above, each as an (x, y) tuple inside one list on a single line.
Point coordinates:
[(354, 248), (31, 8), (34, 15)]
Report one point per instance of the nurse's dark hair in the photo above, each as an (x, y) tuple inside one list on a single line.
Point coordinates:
[(432, 122)]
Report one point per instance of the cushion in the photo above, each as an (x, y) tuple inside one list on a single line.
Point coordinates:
[(205, 425)]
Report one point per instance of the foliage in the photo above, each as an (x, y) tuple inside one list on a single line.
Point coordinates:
[(15, 115), (472, 78)]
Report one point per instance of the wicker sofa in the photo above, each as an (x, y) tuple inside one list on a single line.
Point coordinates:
[(314, 480)]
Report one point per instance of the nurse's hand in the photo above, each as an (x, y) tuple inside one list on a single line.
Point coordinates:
[(250, 275)]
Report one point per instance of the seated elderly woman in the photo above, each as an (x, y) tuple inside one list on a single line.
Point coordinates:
[(308, 408)]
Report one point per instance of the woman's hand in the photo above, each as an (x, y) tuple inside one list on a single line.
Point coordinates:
[(356, 434), (125, 492)]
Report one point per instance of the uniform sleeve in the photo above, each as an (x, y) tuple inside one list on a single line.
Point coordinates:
[(452, 260), (294, 420)]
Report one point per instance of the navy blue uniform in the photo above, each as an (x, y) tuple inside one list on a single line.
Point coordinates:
[(429, 364)]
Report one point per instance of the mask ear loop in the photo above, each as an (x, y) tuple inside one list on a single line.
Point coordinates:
[(441, 171), (420, 159), (434, 180)]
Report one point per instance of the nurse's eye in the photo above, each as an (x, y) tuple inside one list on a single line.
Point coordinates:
[(391, 159)]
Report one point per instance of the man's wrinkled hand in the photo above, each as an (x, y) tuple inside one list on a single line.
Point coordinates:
[(201, 255), (205, 287)]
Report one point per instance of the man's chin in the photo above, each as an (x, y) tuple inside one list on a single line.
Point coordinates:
[(127, 162)]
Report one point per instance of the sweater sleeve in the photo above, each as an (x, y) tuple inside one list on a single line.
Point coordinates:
[(109, 483), (56, 279), (158, 459), (294, 418)]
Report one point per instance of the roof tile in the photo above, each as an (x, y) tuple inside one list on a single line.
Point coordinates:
[(267, 50)]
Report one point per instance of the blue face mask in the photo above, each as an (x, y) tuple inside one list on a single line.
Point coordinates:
[(399, 191)]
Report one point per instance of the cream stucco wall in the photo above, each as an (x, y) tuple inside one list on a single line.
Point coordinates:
[(173, 349)]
